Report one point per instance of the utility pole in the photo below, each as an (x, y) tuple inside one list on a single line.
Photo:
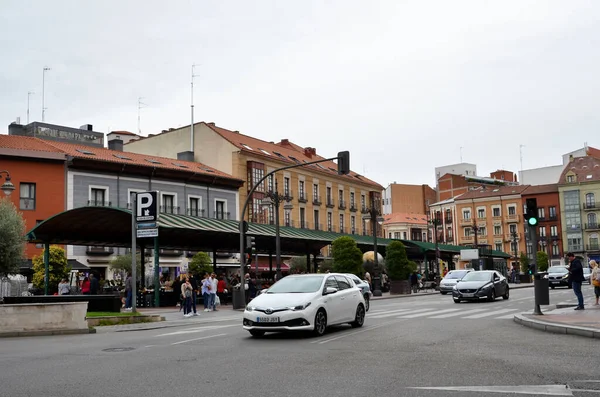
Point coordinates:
[(44, 91), (29, 94), (140, 106), (192, 111)]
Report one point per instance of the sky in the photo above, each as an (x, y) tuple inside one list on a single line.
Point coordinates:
[(403, 85)]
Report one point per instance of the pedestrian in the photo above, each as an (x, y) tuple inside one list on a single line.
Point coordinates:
[(186, 293), (85, 286), (222, 290), (94, 284), (576, 278), (595, 277), (63, 287), (206, 287), (128, 292), (213, 291), (194, 284)]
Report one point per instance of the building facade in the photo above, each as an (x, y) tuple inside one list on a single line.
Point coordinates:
[(402, 226), (447, 223), (316, 196), (578, 186), (492, 217), (551, 174), (452, 185), (408, 199)]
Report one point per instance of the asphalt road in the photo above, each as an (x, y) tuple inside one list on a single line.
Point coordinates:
[(406, 344)]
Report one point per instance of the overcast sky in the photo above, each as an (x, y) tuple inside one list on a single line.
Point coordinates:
[(401, 84)]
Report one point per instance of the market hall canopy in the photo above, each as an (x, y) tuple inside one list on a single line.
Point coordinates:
[(111, 226)]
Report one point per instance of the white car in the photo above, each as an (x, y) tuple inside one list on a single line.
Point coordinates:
[(307, 302)]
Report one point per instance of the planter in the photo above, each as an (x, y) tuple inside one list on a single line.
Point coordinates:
[(120, 320), (399, 287)]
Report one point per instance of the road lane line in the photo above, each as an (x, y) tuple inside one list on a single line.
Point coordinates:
[(428, 313), (394, 313), (352, 333), (489, 314), (195, 339), (459, 313), (198, 329)]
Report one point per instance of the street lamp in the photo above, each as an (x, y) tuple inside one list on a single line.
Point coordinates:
[(274, 199), (373, 214), (435, 222), (7, 186)]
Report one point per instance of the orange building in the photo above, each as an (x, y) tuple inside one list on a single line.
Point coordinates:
[(452, 185), (39, 174), (409, 199)]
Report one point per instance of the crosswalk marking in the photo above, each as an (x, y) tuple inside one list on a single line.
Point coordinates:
[(508, 316), (488, 314), (428, 313), (460, 313), (391, 313)]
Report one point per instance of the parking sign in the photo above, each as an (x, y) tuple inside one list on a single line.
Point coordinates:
[(147, 208)]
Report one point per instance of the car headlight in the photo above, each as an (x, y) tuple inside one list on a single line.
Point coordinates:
[(249, 308), (455, 288), (485, 287), (299, 307), (565, 276)]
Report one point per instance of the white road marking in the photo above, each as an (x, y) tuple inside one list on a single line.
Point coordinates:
[(508, 316), (538, 390), (350, 334), (195, 339), (488, 314), (426, 313), (460, 313), (198, 329), (393, 313)]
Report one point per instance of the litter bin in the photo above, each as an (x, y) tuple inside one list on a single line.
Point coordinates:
[(541, 288), (238, 299)]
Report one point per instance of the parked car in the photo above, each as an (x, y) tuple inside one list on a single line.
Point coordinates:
[(450, 280), (479, 284), (364, 287), (558, 276), (306, 302), (587, 273)]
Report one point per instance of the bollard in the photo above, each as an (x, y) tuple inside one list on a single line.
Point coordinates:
[(238, 299), (541, 291)]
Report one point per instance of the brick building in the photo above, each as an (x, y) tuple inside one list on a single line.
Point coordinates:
[(407, 199)]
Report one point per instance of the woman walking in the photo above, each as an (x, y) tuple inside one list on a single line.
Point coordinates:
[(595, 277), (186, 294)]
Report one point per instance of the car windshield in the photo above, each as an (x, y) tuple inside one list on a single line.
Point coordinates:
[(296, 285), (477, 276), (557, 269), (455, 275)]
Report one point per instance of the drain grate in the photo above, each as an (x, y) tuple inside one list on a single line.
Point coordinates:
[(118, 349)]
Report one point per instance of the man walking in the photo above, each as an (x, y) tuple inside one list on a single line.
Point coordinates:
[(576, 278), (128, 292), (194, 284)]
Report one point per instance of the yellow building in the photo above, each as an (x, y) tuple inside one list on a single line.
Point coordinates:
[(318, 198)]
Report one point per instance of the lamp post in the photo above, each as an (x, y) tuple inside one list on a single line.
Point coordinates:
[(7, 186), (475, 234), (274, 199), (373, 214), (435, 222)]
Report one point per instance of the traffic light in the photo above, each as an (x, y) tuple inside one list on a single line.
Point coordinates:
[(343, 163), (531, 211), (248, 259), (250, 245), (531, 268)]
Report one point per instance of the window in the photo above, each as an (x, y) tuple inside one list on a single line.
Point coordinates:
[(594, 242), (497, 230), (352, 200), (329, 198), (513, 246), (341, 196), (98, 197), (316, 220), (573, 220), (481, 213), (343, 282), (541, 212), (256, 172), (468, 232), (554, 231), (341, 223), (590, 200), (555, 250), (363, 201), (496, 212), (512, 210), (270, 183), (220, 211), (591, 218), (403, 235), (574, 242), (302, 218), (329, 222), (286, 218), (286, 186), (483, 231), (364, 227), (570, 178), (168, 203), (552, 212), (498, 247), (301, 190), (449, 232), (271, 214), (194, 206), (512, 229), (397, 235), (466, 214), (316, 192), (27, 196), (542, 231), (352, 224), (571, 200)]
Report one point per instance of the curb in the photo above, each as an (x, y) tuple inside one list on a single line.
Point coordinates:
[(47, 333), (556, 328)]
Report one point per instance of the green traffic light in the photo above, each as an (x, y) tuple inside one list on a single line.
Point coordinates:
[(532, 221)]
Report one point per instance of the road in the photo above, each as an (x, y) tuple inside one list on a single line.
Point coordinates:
[(406, 344)]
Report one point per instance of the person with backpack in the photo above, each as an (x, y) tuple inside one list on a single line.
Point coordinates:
[(186, 294)]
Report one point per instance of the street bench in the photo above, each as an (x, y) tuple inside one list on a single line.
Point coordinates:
[(96, 303)]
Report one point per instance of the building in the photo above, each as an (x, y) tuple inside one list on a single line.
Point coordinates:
[(578, 186), (452, 185), (96, 176), (551, 174), (401, 198), (124, 136), (317, 197), (405, 226), (549, 229), (464, 169), (493, 217), (447, 222), (52, 132)]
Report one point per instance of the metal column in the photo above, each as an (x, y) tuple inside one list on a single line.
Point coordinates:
[(156, 273), (46, 267)]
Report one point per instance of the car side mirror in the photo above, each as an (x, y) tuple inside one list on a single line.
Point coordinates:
[(330, 290)]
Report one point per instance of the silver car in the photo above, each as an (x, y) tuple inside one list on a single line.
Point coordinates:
[(450, 280), (364, 287)]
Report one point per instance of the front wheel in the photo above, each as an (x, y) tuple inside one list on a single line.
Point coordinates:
[(492, 296), (359, 317), (456, 300), (506, 294), (257, 333), (367, 303), (320, 323)]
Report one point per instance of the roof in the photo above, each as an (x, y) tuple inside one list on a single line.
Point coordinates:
[(541, 189), (398, 217), (591, 151), (495, 191), (111, 156), (122, 133), (586, 169), (447, 201)]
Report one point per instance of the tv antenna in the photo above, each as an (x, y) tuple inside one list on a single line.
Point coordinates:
[(141, 105)]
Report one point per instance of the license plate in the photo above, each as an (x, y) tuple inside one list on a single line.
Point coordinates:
[(554, 282), (468, 295), (267, 319)]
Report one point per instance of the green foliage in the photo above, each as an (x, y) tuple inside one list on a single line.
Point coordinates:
[(200, 264), (326, 265), (298, 264), (59, 268), (12, 241), (398, 266), (542, 261), (524, 261), (347, 257), (122, 264)]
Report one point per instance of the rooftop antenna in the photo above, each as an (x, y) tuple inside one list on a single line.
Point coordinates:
[(521, 155), (29, 94), (192, 109), (140, 106), (43, 91), (461, 148)]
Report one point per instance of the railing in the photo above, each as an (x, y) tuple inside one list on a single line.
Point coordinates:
[(317, 200), (318, 226), (353, 231), (466, 221), (589, 206), (364, 209), (554, 238), (221, 215), (167, 209), (353, 208), (342, 205), (552, 217), (343, 229), (592, 247), (467, 239), (330, 203), (199, 213), (330, 228), (512, 218), (302, 198), (496, 217), (592, 226), (99, 251), (509, 236), (289, 223), (168, 252), (99, 203), (574, 227), (448, 219), (288, 194), (575, 248), (304, 224)]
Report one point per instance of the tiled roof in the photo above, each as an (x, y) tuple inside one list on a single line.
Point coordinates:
[(592, 151), (286, 152), (399, 217), (541, 189), (107, 155), (492, 191), (586, 169)]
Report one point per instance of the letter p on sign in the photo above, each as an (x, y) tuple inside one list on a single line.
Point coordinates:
[(146, 207)]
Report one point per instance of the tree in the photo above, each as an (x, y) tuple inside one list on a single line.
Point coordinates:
[(542, 261), (524, 260), (12, 241), (200, 264), (398, 266), (122, 264), (347, 257), (325, 266), (298, 264), (59, 268)]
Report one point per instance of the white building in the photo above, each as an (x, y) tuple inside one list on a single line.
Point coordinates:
[(550, 174), (464, 169)]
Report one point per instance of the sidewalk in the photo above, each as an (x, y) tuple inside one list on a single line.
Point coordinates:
[(565, 321), (387, 295)]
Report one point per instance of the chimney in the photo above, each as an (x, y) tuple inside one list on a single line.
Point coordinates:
[(284, 142), (87, 127), (116, 144), (570, 157), (185, 156), (310, 152), (212, 124)]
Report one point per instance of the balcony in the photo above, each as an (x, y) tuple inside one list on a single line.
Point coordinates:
[(575, 248), (99, 251), (304, 224), (467, 239), (509, 237), (317, 200), (466, 222), (302, 198), (353, 231), (288, 223), (590, 206), (364, 209), (342, 205), (353, 207), (330, 228), (198, 213), (448, 219), (221, 215), (573, 227), (512, 218), (168, 209), (554, 238), (166, 252), (592, 226), (552, 218), (343, 230), (288, 195), (99, 203), (592, 247), (329, 203), (318, 226)]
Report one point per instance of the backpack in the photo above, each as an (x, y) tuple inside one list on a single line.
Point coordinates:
[(188, 293)]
